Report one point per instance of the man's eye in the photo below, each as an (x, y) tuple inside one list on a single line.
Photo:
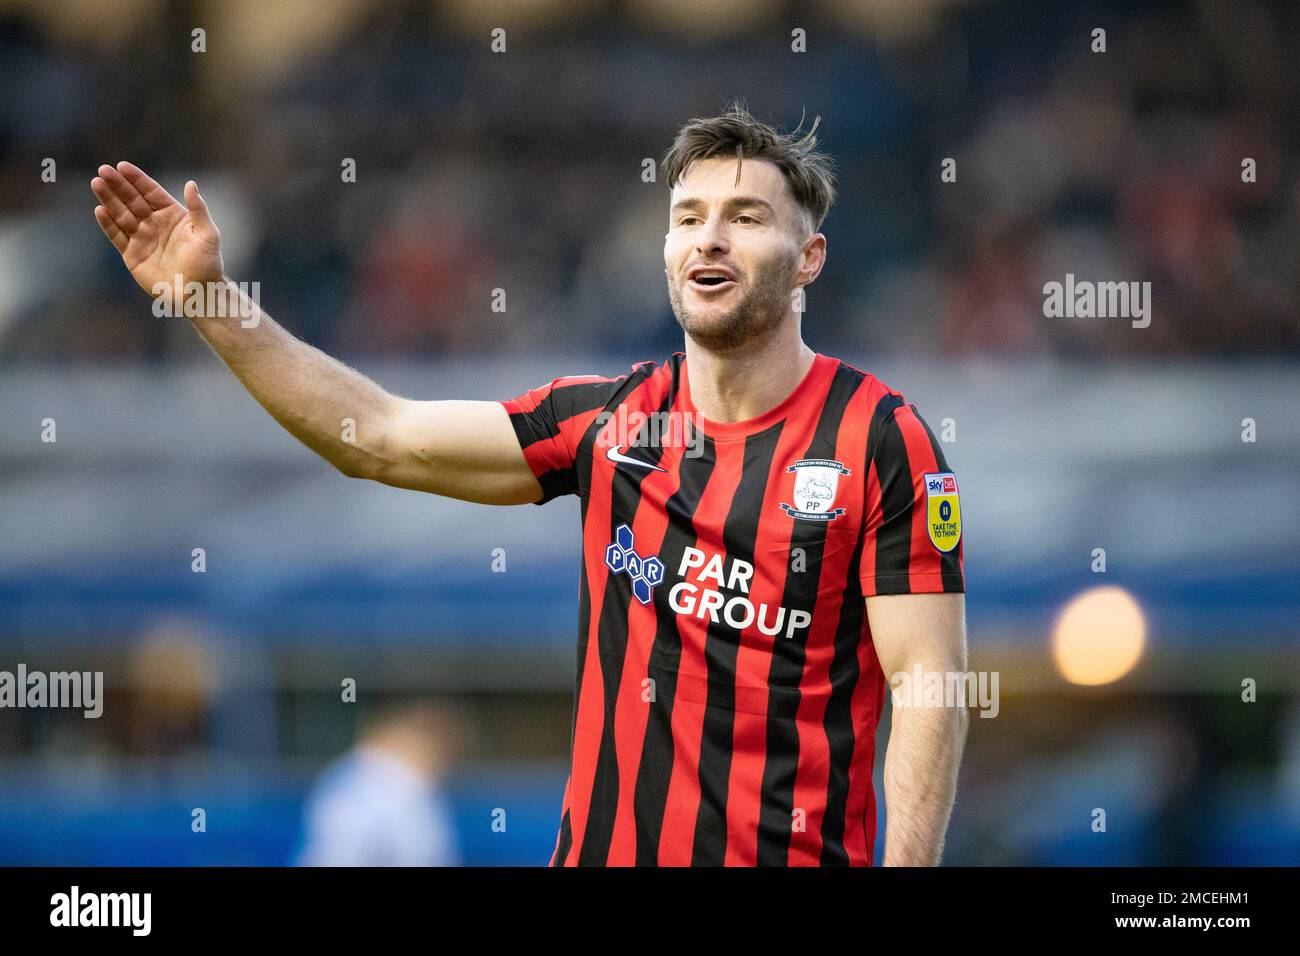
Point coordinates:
[(750, 218), (685, 219)]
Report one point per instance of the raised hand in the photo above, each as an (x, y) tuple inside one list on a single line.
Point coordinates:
[(157, 236)]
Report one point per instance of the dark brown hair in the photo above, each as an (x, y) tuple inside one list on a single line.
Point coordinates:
[(736, 132)]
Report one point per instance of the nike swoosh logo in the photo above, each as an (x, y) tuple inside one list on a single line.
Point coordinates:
[(613, 454)]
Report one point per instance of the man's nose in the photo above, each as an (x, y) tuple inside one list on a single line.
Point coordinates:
[(712, 237)]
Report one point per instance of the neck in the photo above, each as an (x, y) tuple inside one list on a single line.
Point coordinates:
[(746, 381)]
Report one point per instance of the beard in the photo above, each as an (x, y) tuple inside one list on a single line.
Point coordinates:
[(760, 309)]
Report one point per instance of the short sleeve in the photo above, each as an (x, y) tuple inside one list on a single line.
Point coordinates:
[(549, 422), (913, 527)]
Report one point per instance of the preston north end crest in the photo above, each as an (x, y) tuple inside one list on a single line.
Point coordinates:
[(815, 481), (942, 510)]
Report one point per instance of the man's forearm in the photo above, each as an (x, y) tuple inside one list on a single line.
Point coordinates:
[(921, 764), (313, 395)]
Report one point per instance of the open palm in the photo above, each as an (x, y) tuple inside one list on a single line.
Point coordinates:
[(157, 236)]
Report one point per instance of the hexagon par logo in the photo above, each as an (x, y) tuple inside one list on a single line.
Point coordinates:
[(645, 572)]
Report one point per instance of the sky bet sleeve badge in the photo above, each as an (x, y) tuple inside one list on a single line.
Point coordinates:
[(942, 510), (814, 489)]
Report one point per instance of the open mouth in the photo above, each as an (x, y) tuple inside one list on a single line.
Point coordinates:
[(707, 282)]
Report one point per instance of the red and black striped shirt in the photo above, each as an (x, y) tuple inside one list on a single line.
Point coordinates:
[(728, 689)]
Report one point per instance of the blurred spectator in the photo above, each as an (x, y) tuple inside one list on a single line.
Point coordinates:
[(173, 671), (381, 803)]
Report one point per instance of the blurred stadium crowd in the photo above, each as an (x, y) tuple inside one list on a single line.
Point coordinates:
[(522, 170)]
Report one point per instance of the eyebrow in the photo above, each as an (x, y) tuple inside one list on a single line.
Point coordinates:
[(733, 202)]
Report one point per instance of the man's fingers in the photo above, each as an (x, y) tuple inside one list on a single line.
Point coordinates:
[(153, 194), (115, 235), (113, 205), (129, 195)]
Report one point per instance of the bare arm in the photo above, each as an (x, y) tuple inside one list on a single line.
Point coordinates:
[(461, 449), (925, 742)]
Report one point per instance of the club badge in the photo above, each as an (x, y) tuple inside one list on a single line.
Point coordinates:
[(815, 481)]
